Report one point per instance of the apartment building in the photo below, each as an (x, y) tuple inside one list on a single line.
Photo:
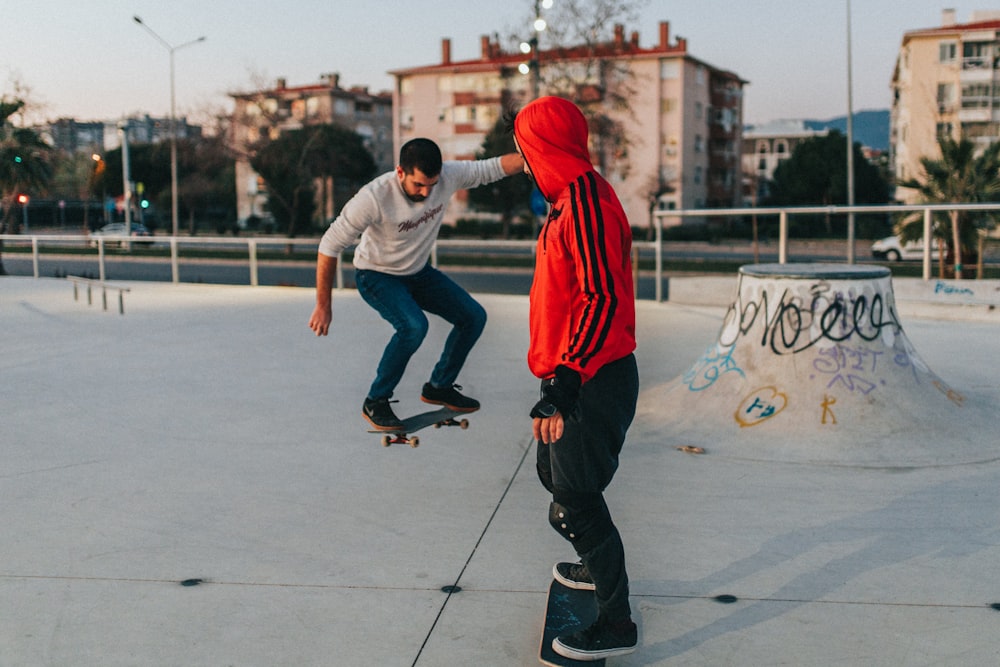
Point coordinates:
[(75, 136), (682, 128), (268, 113), (946, 83)]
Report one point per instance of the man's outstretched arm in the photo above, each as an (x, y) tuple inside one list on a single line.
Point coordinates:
[(326, 269)]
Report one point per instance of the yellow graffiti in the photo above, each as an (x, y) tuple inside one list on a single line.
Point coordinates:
[(953, 396), (760, 405), (827, 402)]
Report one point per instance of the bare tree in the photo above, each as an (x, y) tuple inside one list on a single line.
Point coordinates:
[(582, 59)]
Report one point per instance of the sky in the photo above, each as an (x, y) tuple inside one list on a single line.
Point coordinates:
[(91, 61)]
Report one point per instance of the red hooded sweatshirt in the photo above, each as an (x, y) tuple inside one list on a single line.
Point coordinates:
[(582, 312)]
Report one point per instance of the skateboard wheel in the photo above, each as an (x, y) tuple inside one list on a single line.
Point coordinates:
[(414, 441), (386, 441), (464, 424)]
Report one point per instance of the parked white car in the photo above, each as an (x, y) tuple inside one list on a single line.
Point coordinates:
[(892, 249), (116, 230)]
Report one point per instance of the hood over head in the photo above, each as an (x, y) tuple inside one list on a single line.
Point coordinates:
[(552, 135)]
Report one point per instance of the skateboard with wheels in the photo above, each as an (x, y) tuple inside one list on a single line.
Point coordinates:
[(566, 610), (436, 418)]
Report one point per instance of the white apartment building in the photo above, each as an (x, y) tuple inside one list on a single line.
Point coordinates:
[(946, 83), (683, 128)]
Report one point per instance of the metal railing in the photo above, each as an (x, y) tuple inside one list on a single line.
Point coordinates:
[(253, 245), (101, 285)]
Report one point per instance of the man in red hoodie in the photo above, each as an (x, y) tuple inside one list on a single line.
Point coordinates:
[(582, 338)]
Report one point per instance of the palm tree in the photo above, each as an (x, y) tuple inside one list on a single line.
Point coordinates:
[(958, 176), (24, 166)]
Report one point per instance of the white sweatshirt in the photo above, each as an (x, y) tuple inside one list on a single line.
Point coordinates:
[(397, 234)]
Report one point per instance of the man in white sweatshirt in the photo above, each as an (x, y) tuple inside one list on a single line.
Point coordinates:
[(398, 216)]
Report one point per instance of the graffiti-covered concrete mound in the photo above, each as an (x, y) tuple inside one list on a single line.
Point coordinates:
[(811, 364)]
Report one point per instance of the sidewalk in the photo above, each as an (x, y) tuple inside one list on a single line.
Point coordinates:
[(207, 437)]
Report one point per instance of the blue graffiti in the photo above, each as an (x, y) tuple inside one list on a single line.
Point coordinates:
[(715, 362), (944, 288)]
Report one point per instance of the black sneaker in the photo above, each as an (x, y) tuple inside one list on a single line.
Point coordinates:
[(449, 398), (380, 415), (601, 640), (573, 575)]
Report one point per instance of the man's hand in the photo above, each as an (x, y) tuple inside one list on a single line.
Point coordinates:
[(326, 268), (320, 320), (547, 429)]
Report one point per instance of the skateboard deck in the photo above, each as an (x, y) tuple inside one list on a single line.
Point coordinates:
[(436, 418), (566, 610)]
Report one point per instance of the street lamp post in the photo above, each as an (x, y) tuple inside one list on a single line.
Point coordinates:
[(173, 115), (126, 184), (850, 143), (531, 48)]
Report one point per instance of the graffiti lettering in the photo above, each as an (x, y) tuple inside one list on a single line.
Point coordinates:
[(793, 325), (944, 288), (760, 405), (712, 364), (840, 360), (827, 402)]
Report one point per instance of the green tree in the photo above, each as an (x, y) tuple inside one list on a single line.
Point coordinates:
[(958, 176), (509, 196), (209, 187), (816, 175), (24, 167), (299, 161)]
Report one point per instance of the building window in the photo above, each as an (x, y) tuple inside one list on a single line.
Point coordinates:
[(780, 147), (947, 52), (698, 143), (670, 69), (697, 175), (946, 97), (977, 55), (977, 96)]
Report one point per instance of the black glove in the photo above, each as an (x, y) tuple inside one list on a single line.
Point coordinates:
[(558, 394)]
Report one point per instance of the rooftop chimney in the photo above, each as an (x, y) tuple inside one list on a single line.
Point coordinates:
[(664, 35), (484, 47), (947, 17), (619, 35), (282, 83), (445, 51)]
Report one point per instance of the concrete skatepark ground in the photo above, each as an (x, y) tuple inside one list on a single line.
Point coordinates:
[(208, 435)]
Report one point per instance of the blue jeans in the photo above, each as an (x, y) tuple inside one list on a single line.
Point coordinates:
[(401, 301)]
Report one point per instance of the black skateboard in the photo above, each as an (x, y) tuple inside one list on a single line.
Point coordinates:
[(566, 610), (436, 418)]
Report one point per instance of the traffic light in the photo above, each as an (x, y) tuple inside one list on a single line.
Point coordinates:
[(23, 199), (17, 159)]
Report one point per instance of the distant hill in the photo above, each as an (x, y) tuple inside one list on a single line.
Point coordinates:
[(871, 128)]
